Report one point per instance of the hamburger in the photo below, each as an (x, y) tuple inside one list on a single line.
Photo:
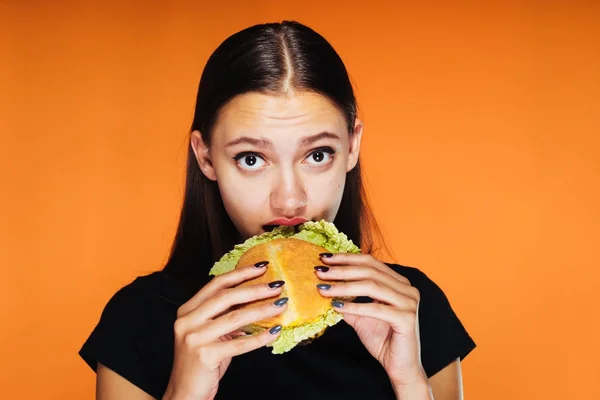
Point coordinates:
[(292, 253)]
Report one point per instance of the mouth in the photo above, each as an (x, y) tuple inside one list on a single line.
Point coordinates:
[(283, 221), (269, 228)]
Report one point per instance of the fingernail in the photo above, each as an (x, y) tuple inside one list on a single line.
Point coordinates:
[(337, 304), (261, 264), (326, 255), (276, 284), (275, 330), (280, 302), (324, 286), (322, 269)]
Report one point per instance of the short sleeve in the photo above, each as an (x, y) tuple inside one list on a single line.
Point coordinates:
[(116, 341), (443, 336)]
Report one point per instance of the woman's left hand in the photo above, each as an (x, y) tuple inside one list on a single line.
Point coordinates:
[(388, 327)]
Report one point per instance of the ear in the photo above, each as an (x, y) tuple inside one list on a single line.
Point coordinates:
[(203, 156), (354, 149)]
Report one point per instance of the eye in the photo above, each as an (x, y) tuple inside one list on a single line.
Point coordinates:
[(320, 156), (249, 161)]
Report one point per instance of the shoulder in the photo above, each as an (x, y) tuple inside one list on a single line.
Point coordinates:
[(144, 292), (130, 297), (133, 333), (431, 293), (137, 301), (416, 277), (444, 338)]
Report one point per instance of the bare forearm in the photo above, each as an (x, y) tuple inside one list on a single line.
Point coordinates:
[(420, 391), (172, 394)]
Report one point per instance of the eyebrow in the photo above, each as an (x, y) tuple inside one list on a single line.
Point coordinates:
[(264, 143), (314, 138)]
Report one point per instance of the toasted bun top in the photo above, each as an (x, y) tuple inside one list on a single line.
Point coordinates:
[(293, 261)]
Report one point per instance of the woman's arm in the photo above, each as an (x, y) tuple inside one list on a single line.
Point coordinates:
[(447, 384), (112, 386)]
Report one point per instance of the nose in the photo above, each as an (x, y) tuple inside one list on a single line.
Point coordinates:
[(288, 197)]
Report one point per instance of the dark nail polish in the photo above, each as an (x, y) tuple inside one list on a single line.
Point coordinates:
[(261, 264), (281, 301), (275, 330), (322, 269), (337, 304), (276, 284), (326, 255), (324, 286)]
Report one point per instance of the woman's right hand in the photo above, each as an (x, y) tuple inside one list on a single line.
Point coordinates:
[(206, 330)]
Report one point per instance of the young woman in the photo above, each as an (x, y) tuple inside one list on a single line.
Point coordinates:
[(275, 140)]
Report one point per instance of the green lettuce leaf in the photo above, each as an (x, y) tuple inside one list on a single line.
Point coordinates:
[(321, 233)]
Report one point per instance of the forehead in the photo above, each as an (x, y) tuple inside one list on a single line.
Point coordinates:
[(277, 115)]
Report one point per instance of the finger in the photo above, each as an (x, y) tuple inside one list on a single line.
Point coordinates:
[(372, 289), (244, 345), (217, 352), (224, 300), (360, 273), (361, 259), (237, 334), (230, 279), (237, 319), (401, 321), (212, 355)]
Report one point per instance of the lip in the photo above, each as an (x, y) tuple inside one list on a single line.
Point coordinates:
[(287, 222)]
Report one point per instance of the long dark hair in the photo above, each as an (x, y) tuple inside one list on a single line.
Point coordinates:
[(262, 58)]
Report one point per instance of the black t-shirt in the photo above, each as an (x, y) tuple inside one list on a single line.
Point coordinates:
[(134, 338)]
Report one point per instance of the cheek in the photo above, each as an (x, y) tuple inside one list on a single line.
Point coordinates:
[(243, 199), (240, 194), (325, 195)]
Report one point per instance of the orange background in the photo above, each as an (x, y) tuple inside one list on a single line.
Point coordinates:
[(482, 153)]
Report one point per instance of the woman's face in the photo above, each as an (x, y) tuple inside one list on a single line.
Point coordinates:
[(279, 159)]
